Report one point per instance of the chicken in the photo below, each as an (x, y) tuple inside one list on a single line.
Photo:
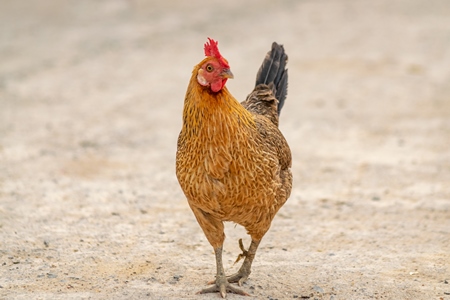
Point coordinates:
[(232, 163)]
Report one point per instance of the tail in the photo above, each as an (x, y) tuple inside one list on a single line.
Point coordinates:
[(273, 70)]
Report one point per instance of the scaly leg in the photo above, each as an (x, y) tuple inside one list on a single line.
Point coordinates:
[(245, 269), (221, 284)]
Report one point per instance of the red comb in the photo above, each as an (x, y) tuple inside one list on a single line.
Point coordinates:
[(211, 49)]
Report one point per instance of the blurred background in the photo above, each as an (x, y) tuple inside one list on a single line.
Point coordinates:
[(91, 95)]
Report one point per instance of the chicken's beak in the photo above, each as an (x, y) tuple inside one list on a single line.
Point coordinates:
[(226, 73)]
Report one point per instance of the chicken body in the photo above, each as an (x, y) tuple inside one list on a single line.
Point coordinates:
[(233, 164)]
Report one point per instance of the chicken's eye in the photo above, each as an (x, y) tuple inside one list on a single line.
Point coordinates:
[(209, 68)]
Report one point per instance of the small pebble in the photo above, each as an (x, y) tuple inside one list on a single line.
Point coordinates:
[(177, 277), (318, 289), (74, 278)]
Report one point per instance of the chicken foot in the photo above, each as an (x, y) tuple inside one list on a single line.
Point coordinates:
[(221, 283), (241, 255), (244, 271)]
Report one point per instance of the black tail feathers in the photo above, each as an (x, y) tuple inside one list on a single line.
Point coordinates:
[(273, 70)]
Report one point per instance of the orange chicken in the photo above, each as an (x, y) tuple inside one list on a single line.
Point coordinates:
[(233, 163)]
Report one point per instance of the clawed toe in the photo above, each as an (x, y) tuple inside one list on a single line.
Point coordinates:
[(243, 254), (238, 278), (223, 288)]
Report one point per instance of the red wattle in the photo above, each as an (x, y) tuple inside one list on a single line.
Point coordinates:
[(218, 85)]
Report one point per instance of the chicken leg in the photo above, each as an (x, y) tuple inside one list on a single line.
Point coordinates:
[(245, 269), (221, 283)]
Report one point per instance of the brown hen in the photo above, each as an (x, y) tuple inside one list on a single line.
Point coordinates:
[(233, 163)]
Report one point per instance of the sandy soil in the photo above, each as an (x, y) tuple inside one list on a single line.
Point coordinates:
[(91, 94)]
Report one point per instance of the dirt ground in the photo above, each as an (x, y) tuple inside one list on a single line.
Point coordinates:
[(91, 94)]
